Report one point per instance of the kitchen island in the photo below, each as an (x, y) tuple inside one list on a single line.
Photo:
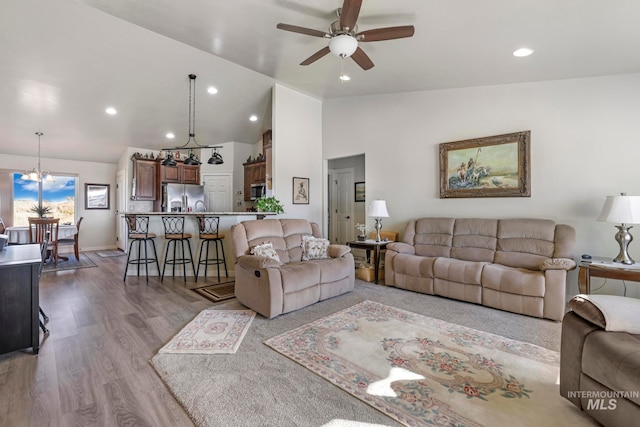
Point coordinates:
[(227, 220)]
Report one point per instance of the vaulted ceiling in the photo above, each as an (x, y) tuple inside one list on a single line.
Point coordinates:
[(65, 61)]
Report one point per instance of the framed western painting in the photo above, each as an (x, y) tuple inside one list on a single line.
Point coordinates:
[(300, 191), (96, 196), (359, 192), (493, 166)]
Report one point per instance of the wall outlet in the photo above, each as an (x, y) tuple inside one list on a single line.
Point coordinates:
[(239, 203)]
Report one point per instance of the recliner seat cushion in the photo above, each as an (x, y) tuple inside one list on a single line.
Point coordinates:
[(299, 275), (517, 281), (460, 271)]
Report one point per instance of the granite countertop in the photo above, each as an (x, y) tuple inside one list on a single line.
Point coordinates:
[(199, 213)]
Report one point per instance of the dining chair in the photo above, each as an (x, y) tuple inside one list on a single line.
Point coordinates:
[(43, 256), (73, 240), (38, 228)]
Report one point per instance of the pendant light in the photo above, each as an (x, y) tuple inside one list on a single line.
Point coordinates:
[(216, 158), (191, 143), (37, 174)]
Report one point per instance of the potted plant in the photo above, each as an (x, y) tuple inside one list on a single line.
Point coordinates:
[(362, 228), (268, 204), (42, 211)]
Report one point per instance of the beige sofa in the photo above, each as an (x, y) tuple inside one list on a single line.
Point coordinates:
[(273, 287), (600, 358), (518, 265)]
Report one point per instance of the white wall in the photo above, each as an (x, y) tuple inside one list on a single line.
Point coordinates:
[(585, 145), (297, 151), (98, 226)]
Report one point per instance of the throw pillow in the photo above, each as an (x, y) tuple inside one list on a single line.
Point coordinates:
[(314, 248), (266, 250)]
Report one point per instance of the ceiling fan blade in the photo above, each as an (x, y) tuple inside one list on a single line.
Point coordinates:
[(349, 14), (302, 30), (313, 58), (362, 59), (389, 33)]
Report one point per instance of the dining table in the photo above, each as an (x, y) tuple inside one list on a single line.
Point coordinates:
[(20, 235)]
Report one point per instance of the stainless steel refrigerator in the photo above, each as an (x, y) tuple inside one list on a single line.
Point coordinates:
[(183, 198)]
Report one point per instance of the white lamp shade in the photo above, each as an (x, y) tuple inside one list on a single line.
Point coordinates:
[(343, 45), (621, 209), (378, 209)]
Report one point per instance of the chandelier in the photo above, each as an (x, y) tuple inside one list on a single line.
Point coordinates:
[(37, 174), (191, 143)]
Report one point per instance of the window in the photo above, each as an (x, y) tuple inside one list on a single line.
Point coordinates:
[(59, 196)]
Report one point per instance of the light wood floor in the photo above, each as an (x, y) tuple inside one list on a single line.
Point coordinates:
[(93, 368)]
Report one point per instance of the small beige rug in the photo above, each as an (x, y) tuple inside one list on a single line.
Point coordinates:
[(212, 332), (424, 371)]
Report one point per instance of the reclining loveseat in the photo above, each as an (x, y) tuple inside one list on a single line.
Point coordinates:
[(304, 270)]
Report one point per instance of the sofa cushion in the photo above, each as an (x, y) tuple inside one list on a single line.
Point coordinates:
[(332, 269), (299, 275), (474, 239), (613, 359), (459, 271), (517, 281), (314, 248), (432, 237), (525, 243), (414, 266)]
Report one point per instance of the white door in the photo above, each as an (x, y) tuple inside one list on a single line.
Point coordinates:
[(121, 229), (341, 206), (217, 192)]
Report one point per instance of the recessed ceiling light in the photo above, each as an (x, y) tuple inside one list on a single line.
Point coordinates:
[(212, 90), (253, 118), (344, 78), (522, 52), (170, 135), (111, 111)]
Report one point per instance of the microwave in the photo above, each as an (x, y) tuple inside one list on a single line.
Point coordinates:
[(257, 191)]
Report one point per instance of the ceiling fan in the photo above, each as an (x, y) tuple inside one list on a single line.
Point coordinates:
[(344, 36)]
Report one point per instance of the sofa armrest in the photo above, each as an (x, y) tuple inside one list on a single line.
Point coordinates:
[(558, 264), (338, 251), (611, 312), (253, 262), (403, 248)]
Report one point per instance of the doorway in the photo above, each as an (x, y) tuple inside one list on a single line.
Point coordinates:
[(217, 192), (121, 232), (343, 211)]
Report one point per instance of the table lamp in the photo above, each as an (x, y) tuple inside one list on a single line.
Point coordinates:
[(378, 210), (625, 210)]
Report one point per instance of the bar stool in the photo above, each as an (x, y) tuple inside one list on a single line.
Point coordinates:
[(208, 228), (138, 232), (174, 233)]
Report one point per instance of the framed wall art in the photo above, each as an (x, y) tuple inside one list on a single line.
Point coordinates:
[(96, 196), (359, 192), (493, 166), (300, 191)]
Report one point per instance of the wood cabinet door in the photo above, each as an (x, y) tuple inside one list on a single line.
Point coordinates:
[(189, 174), (146, 174), (170, 174)]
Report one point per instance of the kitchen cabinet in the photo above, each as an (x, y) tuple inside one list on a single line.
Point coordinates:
[(178, 174), (254, 173), (181, 173), (144, 179)]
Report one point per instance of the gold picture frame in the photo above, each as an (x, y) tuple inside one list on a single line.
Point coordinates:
[(493, 166)]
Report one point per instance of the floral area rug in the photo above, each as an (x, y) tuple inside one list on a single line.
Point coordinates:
[(423, 371), (211, 332)]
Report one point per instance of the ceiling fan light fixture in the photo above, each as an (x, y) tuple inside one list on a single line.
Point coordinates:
[(343, 45)]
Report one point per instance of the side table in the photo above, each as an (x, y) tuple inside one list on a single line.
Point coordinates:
[(606, 269), (376, 247)]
